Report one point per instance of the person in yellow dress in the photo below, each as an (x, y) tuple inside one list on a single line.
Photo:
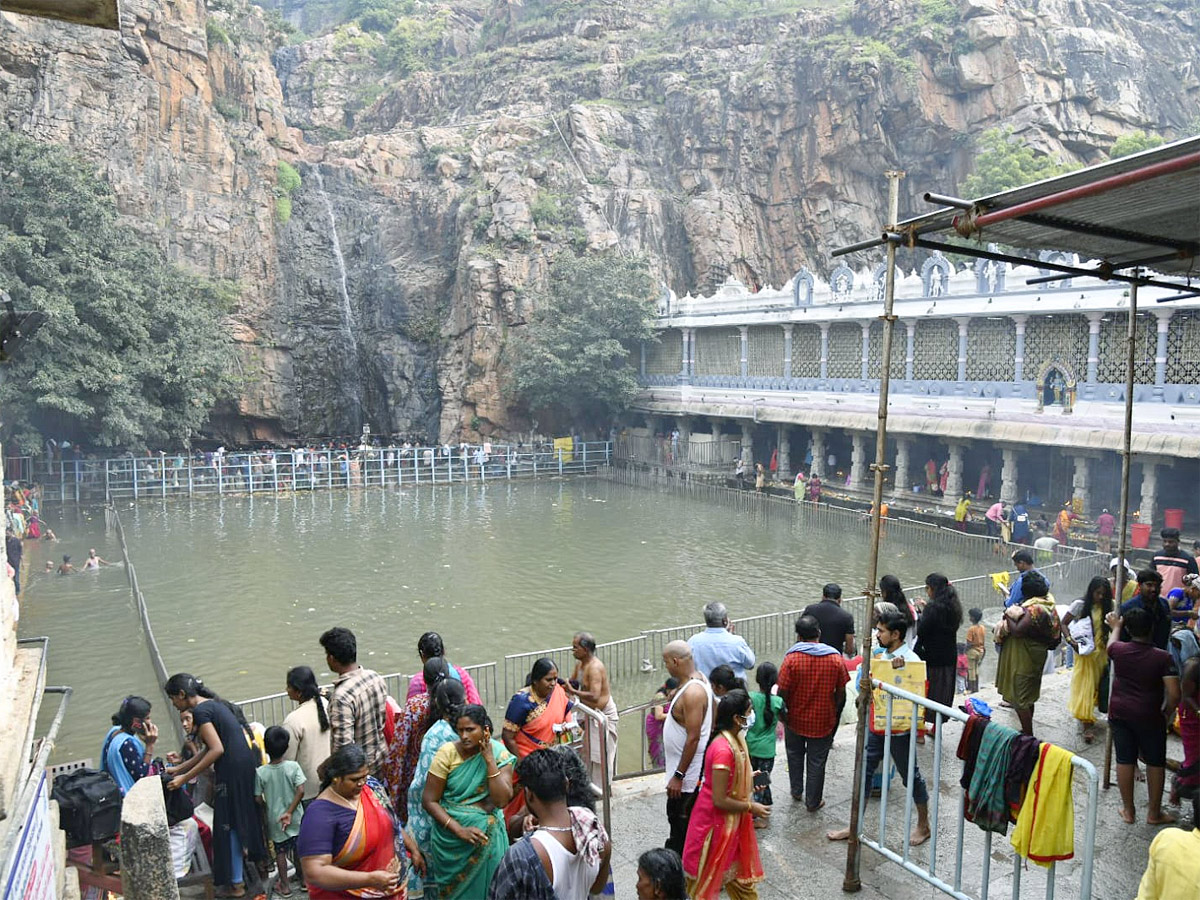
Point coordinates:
[(1092, 607)]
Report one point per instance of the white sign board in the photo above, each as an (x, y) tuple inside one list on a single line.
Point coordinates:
[(31, 874)]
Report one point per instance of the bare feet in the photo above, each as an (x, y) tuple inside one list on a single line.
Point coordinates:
[(1127, 816), (1138, 775), (1089, 734), (1161, 819), (842, 834), (918, 837)]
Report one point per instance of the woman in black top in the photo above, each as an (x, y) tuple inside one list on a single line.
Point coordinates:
[(937, 640), (233, 760)]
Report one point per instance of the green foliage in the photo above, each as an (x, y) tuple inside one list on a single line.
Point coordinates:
[(379, 15), (483, 222), (550, 209), (411, 44), (1134, 142), (132, 352), (1004, 161), (228, 108), (573, 356), (287, 182), (215, 34)]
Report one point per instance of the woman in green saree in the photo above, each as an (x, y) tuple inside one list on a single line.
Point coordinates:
[(469, 783)]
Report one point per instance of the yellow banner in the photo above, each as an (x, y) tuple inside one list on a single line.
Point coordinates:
[(564, 449), (910, 676)]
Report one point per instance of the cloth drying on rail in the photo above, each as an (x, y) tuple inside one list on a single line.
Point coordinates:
[(1045, 831), (985, 803), (1021, 761), (968, 747)]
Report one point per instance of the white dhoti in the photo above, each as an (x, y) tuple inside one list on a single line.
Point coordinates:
[(591, 745)]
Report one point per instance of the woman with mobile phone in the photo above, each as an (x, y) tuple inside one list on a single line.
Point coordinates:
[(129, 745)]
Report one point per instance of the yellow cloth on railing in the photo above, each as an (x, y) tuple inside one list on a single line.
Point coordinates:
[(1001, 581), (1045, 831)]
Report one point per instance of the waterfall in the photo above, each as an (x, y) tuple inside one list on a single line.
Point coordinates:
[(354, 364)]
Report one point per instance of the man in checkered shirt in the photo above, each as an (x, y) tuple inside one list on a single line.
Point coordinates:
[(358, 702)]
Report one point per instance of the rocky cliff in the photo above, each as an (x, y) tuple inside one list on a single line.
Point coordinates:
[(449, 152)]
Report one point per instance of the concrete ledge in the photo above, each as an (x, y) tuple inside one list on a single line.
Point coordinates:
[(146, 869)]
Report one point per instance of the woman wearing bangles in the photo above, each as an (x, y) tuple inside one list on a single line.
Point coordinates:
[(469, 783), (720, 834)]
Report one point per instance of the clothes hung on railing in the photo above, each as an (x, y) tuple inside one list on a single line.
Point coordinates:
[(1045, 831)]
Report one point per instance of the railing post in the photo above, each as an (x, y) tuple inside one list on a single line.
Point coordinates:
[(107, 486), (190, 475), (162, 475), (560, 461), (135, 488), (249, 475)]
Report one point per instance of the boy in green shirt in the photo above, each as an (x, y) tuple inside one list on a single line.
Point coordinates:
[(279, 787)]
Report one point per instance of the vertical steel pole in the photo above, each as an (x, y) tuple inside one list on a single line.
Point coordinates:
[(1126, 465), (851, 882)]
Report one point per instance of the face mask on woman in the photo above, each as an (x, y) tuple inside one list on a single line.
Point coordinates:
[(749, 721)]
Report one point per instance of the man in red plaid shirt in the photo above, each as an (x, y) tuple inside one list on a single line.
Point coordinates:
[(812, 682)]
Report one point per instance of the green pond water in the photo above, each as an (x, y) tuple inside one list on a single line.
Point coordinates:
[(240, 588)]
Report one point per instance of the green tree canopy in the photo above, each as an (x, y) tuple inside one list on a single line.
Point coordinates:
[(1004, 161), (573, 358), (1134, 142), (132, 351)]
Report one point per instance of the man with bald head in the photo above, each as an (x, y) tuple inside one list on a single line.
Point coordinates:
[(685, 735)]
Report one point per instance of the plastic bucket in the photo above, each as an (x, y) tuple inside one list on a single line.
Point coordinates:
[(1173, 518), (1139, 536)]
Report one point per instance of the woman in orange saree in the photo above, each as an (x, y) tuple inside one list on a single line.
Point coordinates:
[(350, 843), (532, 714), (721, 850)]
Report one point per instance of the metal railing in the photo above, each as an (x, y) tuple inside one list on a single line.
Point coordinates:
[(929, 871), (274, 472), (663, 450)]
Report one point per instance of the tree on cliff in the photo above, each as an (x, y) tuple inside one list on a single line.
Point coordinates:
[(573, 358), (1004, 161), (132, 352)]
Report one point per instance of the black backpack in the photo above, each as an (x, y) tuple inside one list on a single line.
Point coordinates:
[(89, 806)]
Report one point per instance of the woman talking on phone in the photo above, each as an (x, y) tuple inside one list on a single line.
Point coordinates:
[(129, 745)]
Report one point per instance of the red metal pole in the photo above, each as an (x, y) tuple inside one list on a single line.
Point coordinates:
[(1136, 176)]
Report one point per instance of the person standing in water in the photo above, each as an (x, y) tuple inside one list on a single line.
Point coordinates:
[(66, 568), (94, 562)]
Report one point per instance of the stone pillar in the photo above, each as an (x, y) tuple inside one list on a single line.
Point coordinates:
[(963, 324), (1160, 352), (1019, 354), (910, 347), (685, 335), (689, 359), (747, 446), (1081, 484), (954, 479), (824, 350), (818, 452), (1148, 508), (1093, 357), (642, 359), (866, 350), (745, 344), (787, 350), (1008, 475), (684, 424), (146, 869), (785, 452), (902, 483), (858, 460)]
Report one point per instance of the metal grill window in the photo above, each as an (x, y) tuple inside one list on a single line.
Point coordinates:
[(1183, 348), (1112, 348), (991, 350), (806, 351), (665, 357), (765, 354), (935, 350), (875, 351), (845, 350), (1062, 338), (718, 351)]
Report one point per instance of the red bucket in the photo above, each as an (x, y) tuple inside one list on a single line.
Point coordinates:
[(1139, 536), (1173, 518)]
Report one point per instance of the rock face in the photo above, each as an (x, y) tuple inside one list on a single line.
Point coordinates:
[(440, 179)]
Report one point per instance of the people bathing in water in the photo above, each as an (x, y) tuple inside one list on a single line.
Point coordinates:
[(66, 568), (94, 562)]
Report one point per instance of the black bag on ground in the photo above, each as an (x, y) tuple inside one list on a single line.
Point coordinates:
[(89, 806)]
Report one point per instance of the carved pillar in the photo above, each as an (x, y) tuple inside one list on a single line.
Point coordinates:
[(963, 324), (785, 451), (685, 335), (745, 344), (818, 452), (1008, 475), (690, 361), (1093, 358), (1019, 355), (824, 350), (902, 483), (1081, 484), (866, 350), (1148, 508), (858, 460), (787, 350), (910, 349), (1160, 352), (954, 480), (747, 446)]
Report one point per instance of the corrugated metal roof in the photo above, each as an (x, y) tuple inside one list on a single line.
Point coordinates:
[(1125, 211)]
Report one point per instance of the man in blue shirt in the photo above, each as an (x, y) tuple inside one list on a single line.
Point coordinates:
[(1023, 560), (716, 645)]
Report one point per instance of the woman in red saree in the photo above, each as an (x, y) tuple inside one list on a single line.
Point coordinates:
[(532, 714), (350, 843), (721, 850), (400, 764)]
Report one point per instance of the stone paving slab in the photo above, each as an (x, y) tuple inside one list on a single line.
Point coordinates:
[(800, 863)]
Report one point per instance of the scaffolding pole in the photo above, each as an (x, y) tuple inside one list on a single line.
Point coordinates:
[(852, 882)]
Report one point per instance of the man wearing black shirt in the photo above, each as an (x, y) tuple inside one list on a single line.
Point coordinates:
[(837, 625), (14, 549), (1149, 597)]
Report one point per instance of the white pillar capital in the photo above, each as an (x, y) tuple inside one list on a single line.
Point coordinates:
[(787, 327), (1020, 321)]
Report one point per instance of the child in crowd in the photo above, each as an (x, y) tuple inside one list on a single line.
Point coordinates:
[(962, 667), (760, 738), (655, 716), (279, 787), (976, 641)]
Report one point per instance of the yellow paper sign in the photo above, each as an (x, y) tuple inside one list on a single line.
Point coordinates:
[(564, 449), (909, 677)]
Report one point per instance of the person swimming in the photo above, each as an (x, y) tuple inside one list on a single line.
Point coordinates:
[(66, 568), (94, 562)]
